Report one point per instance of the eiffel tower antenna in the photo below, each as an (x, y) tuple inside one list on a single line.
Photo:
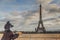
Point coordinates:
[(40, 27)]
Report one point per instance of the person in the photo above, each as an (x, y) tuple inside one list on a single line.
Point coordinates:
[(8, 34)]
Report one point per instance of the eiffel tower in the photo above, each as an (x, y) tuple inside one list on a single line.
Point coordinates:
[(40, 27)]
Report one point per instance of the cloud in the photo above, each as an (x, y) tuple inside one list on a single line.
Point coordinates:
[(48, 6), (44, 1), (11, 5), (52, 10), (28, 20), (55, 2)]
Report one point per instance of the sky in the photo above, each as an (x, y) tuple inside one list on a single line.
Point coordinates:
[(24, 14)]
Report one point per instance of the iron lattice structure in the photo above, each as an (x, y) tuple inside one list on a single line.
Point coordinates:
[(40, 27)]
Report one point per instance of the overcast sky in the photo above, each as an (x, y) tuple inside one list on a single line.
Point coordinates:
[(24, 14)]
